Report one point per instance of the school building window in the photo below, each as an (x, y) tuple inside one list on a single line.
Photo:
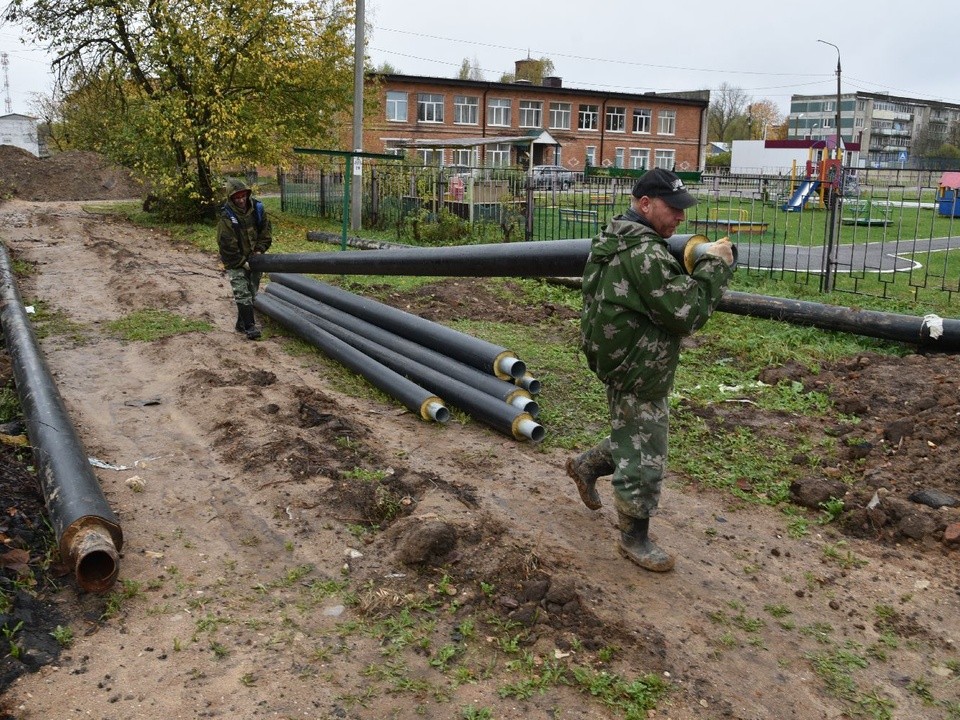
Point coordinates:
[(665, 159), (560, 115), (618, 157), (667, 123), (639, 158), (396, 106), (641, 120), (498, 155), (431, 157), (430, 107), (616, 119), (498, 112), (531, 114), (466, 110), (591, 155), (589, 117), (465, 157)]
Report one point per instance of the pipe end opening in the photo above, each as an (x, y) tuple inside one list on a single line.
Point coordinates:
[(97, 571)]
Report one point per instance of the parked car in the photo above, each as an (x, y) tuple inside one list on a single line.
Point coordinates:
[(556, 177)]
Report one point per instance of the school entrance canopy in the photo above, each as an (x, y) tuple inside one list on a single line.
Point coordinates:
[(535, 137)]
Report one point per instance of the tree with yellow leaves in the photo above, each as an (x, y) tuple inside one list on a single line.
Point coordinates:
[(180, 89)]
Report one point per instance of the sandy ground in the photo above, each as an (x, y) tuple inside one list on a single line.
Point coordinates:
[(250, 592)]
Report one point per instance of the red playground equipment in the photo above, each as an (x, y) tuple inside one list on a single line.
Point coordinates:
[(821, 177)]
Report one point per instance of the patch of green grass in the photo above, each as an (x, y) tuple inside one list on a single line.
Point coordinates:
[(733, 461), (63, 636), (470, 712), (844, 558), (9, 404), (631, 699), (129, 590), (837, 669), (54, 323), (147, 325), (364, 475)]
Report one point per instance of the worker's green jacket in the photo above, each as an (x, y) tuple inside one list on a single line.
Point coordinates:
[(638, 304)]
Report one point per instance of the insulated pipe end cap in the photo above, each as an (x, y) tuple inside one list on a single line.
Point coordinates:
[(525, 427), (434, 409), (507, 366), (530, 383)]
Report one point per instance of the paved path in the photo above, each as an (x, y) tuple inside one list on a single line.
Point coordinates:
[(890, 256)]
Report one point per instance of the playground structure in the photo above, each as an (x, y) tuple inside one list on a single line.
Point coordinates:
[(865, 212), (821, 177), (948, 203)]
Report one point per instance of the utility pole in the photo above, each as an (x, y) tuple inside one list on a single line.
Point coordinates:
[(359, 46), (5, 62), (827, 279)]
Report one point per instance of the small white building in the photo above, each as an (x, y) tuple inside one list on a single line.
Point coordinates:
[(20, 131), (781, 157)]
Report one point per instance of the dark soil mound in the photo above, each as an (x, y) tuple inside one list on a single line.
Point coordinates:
[(71, 175)]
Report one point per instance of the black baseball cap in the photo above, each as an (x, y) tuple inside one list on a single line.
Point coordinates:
[(660, 183)]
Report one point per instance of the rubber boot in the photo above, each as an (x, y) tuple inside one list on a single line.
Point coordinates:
[(249, 324), (239, 327), (636, 545), (584, 469)]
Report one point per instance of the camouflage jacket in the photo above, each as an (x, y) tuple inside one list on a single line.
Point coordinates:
[(638, 304), (240, 233)]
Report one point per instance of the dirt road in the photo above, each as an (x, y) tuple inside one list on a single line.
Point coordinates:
[(249, 587)]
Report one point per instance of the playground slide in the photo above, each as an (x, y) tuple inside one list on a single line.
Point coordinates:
[(802, 194)]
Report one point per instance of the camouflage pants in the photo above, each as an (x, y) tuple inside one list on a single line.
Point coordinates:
[(244, 284), (638, 451)]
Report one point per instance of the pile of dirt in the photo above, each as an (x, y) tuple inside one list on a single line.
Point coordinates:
[(71, 175)]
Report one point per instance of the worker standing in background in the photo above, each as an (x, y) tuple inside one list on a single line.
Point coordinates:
[(244, 230)]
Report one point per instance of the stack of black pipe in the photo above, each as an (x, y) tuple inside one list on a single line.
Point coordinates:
[(419, 362)]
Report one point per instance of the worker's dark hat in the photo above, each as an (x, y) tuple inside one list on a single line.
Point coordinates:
[(660, 183)]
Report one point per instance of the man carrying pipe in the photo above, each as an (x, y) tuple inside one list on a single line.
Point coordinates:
[(638, 304), (244, 231)]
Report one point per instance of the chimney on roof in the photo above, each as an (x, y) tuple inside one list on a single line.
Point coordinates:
[(553, 81)]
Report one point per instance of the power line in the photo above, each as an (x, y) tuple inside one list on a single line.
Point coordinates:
[(550, 53)]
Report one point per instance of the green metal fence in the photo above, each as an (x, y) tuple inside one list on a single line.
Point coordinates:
[(865, 238)]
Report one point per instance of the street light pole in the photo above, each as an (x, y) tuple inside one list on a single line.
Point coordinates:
[(829, 261), (838, 91)]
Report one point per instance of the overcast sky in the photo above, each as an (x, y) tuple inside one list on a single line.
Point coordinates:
[(768, 49)]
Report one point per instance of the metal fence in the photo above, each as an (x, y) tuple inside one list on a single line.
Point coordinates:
[(872, 235)]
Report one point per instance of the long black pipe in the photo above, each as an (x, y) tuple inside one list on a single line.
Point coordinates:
[(88, 533), (486, 408), (931, 332), (528, 259), (473, 351), (566, 258), (417, 399), (543, 258), (506, 391)]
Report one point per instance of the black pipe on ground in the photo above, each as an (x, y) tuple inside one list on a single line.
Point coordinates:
[(566, 258), (501, 389), (88, 533), (931, 332), (483, 407), (418, 400), (467, 349)]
